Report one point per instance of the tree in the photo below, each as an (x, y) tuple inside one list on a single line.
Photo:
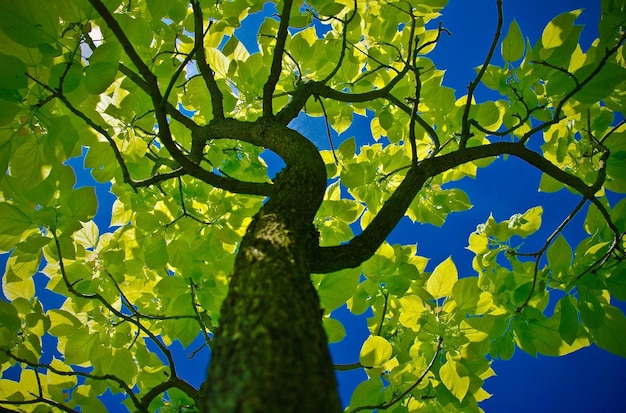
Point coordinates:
[(179, 118)]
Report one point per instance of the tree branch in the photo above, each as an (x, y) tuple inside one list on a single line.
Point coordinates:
[(344, 41), (130, 51), (417, 118), (363, 246), (217, 98), (348, 367), (277, 61), (543, 249), (172, 382), (558, 116)]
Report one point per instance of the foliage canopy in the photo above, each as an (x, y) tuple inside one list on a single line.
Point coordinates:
[(167, 105)]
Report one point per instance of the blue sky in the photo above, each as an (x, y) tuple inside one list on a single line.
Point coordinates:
[(588, 380)]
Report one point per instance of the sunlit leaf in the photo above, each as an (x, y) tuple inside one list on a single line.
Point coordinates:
[(455, 377), (375, 351), (411, 310), (558, 29), (513, 43), (442, 280)]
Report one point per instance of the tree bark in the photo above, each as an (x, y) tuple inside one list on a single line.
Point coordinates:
[(270, 353)]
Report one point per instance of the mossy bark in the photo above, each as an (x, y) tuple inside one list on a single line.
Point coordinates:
[(270, 353)]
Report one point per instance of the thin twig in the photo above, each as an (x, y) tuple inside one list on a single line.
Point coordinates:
[(402, 395), (465, 131)]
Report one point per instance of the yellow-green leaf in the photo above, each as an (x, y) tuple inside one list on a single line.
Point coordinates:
[(442, 279), (558, 29), (375, 351), (411, 309), (513, 43), (455, 377)]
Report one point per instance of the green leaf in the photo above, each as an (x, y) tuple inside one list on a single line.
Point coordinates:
[(367, 393), (470, 298), (334, 329), (101, 159), (549, 184), (385, 118), (99, 76), (12, 73), (442, 280), (559, 257), (547, 339), (120, 364), (82, 347), (57, 383), (411, 309), (22, 265), (331, 8), (489, 114), (616, 283), (62, 323), (8, 110), (618, 213), (347, 149), (71, 77), (495, 78), (568, 325), (337, 287), (155, 252), (513, 43), (62, 130), (29, 22), (80, 206), (455, 377), (526, 223), (558, 29), (185, 330), (611, 336), (9, 323), (171, 287), (86, 398), (601, 85), (503, 347), (375, 351), (361, 299), (12, 220), (591, 311)]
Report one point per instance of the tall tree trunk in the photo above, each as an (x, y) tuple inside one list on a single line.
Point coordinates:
[(270, 353)]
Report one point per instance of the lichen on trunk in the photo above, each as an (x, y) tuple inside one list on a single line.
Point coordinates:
[(270, 352)]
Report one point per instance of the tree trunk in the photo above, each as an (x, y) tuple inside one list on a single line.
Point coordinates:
[(270, 353)]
